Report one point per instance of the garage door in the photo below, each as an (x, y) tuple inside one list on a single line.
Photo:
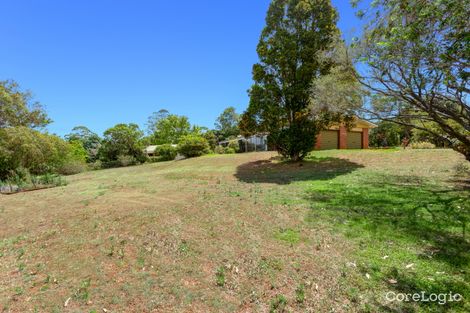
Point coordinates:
[(354, 140), (329, 139)]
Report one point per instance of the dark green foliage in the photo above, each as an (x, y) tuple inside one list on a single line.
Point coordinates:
[(166, 152), (296, 30), (296, 141), (17, 108), (193, 146), (122, 146)]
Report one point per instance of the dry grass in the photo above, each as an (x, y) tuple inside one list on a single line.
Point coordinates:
[(227, 233)]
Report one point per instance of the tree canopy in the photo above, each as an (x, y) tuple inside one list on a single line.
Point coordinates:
[(170, 129), (17, 108), (90, 141), (295, 31), (153, 120), (416, 57), (227, 123), (122, 140)]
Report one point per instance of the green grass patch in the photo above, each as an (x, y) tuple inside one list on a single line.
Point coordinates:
[(288, 235)]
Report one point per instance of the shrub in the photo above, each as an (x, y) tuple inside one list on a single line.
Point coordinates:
[(229, 150), (219, 150), (72, 167), (166, 152), (39, 153), (96, 165), (193, 146), (126, 160), (422, 145), (234, 145)]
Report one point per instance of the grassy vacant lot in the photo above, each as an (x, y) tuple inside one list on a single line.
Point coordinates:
[(242, 233)]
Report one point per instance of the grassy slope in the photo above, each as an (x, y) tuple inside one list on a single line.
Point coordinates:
[(240, 233)]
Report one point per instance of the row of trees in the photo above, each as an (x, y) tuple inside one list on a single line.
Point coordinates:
[(124, 144), (414, 72), (25, 146)]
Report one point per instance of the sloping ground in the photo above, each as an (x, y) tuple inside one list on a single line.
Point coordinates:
[(236, 233)]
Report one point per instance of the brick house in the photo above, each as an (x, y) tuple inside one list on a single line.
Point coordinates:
[(339, 137)]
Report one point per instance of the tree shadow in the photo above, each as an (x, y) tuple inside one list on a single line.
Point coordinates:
[(406, 209), (277, 172)]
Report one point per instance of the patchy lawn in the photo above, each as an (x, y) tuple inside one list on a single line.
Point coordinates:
[(242, 233)]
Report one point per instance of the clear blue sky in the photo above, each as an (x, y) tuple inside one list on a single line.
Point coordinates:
[(101, 62)]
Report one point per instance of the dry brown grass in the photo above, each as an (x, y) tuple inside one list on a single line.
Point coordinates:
[(151, 238)]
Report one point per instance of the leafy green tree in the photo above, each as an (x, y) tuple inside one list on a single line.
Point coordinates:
[(337, 94), (417, 56), (153, 120), (211, 138), (77, 151), (90, 141), (170, 129), (227, 123), (296, 30), (387, 134), (122, 140), (17, 108)]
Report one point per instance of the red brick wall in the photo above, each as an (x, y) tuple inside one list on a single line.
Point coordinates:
[(342, 137), (365, 138), (318, 143)]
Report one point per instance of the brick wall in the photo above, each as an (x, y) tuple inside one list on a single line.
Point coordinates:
[(318, 143), (342, 137), (365, 138)]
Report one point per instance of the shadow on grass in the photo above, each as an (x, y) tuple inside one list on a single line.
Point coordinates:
[(272, 171), (378, 209)]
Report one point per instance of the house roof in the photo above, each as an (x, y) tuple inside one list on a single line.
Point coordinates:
[(150, 149), (153, 148), (363, 123)]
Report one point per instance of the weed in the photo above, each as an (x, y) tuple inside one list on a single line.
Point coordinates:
[(220, 276), (278, 304), (83, 292), (300, 293), (19, 291)]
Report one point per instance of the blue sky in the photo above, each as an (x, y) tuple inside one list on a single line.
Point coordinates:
[(102, 62)]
